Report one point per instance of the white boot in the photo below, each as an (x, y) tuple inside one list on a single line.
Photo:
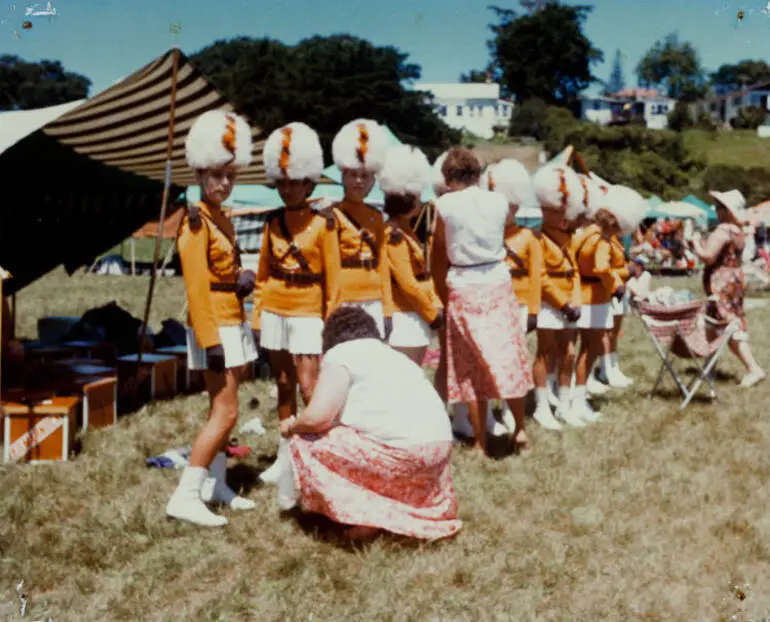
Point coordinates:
[(461, 423), (186, 503), (580, 406), (508, 419), (216, 490), (605, 364), (271, 475), (594, 387), (565, 412), (552, 384), (619, 377), (288, 493), (543, 414), (494, 427)]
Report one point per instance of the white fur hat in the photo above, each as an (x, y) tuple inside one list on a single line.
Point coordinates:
[(360, 144), (217, 138), (406, 171), (558, 187), (439, 183), (626, 204), (509, 178), (293, 152), (592, 193), (733, 201)]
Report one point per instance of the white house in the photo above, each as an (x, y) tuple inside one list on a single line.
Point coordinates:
[(474, 107), (725, 107), (629, 105)]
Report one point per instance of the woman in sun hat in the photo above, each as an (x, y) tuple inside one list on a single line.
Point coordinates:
[(219, 339), (417, 309), (560, 194), (359, 150), (298, 280), (723, 278)]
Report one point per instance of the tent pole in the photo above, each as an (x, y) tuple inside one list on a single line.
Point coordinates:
[(163, 204)]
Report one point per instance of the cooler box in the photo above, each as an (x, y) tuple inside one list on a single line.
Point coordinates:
[(39, 432)]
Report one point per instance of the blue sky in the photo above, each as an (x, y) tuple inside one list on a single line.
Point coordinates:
[(106, 40)]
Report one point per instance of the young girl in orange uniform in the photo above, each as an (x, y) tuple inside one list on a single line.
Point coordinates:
[(359, 150), (219, 339), (560, 195), (298, 280), (417, 310)]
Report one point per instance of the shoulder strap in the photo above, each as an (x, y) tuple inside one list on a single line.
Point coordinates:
[(328, 214), (365, 234), (583, 243), (512, 254), (293, 248)]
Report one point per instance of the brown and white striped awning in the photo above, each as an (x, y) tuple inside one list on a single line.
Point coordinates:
[(127, 125)]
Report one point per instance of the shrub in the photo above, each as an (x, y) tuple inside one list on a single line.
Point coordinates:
[(753, 182), (681, 117), (749, 118)]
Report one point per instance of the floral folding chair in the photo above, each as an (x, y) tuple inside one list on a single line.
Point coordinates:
[(680, 331)]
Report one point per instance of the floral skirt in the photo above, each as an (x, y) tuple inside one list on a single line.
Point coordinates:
[(355, 480), (486, 352), (727, 285)]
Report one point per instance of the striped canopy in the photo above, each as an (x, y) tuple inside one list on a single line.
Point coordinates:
[(127, 125)]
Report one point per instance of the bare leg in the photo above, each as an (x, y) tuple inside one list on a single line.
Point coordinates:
[(223, 394), (742, 350), (546, 342), (415, 354), (615, 333), (516, 407), (477, 413), (285, 374), (307, 373), (590, 344), (566, 340)]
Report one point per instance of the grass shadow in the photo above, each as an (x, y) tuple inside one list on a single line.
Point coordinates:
[(244, 477)]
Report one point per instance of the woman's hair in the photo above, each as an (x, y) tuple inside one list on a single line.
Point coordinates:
[(606, 220), (347, 323), (398, 205), (461, 166)]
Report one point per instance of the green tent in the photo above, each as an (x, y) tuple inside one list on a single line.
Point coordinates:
[(711, 212)]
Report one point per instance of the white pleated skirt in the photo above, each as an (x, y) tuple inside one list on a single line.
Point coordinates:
[(596, 316), (409, 330), (237, 343), (374, 309), (552, 319), (296, 335)]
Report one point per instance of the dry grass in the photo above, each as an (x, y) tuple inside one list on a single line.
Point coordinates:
[(647, 515)]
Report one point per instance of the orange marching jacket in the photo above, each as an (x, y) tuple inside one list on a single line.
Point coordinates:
[(412, 284), (365, 273), (561, 282), (299, 266), (524, 256), (598, 280), (211, 262), (618, 259)]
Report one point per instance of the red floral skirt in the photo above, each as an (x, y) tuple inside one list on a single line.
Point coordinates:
[(355, 480), (486, 352)]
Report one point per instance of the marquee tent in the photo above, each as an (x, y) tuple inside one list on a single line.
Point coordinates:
[(87, 174)]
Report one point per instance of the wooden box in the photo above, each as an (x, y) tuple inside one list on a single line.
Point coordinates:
[(190, 381), (107, 352), (162, 376), (39, 432), (99, 399), (46, 353)]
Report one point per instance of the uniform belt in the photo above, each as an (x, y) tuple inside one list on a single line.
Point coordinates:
[(296, 278), (561, 274), (224, 287), (518, 273), (590, 278), (357, 262), (474, 265)]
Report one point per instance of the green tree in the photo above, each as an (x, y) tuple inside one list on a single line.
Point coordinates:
[(25, 85), (675, 67), (475, 76), (543, 54), (616, 83), (736, 76), (325, 82), (681, 117)]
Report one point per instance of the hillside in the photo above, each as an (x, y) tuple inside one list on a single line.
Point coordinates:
[(737, 148)]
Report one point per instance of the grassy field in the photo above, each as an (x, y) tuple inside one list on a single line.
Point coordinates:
[(650, 514), (737, 148)]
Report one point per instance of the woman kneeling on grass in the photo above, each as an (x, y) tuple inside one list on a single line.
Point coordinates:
[(373, 448)]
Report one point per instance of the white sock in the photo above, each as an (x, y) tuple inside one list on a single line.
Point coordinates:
[(565, 397), (579, 395), (552, 380), (541, 397), (606, 364)]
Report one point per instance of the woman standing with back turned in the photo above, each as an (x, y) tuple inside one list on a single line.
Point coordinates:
[(219, 339)]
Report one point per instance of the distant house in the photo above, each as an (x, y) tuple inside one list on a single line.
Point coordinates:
[(725, 107), (627, 106), (473, 107)]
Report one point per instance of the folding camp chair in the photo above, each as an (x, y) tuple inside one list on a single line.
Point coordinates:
[(680, 332)]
